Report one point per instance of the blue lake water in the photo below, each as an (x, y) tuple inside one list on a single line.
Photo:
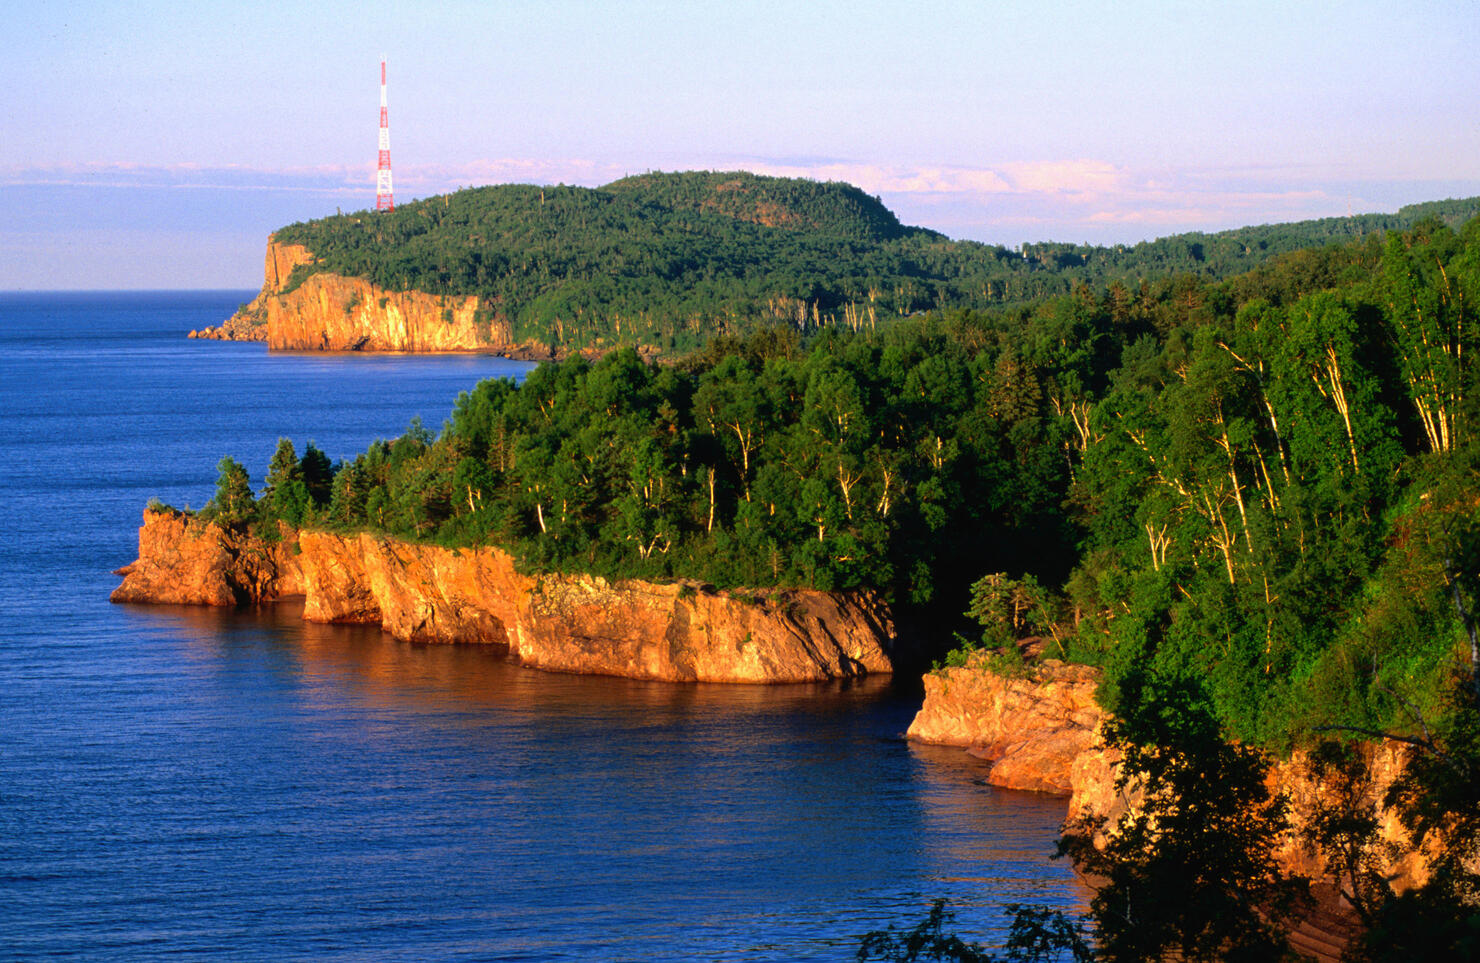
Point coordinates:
[(184, 783)]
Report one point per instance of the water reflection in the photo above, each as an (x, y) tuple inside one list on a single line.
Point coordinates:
[(439, 678), (616, 818)]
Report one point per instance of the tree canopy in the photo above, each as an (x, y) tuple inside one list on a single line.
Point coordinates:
[(1251, 501), (1257, 481), (668, 261)]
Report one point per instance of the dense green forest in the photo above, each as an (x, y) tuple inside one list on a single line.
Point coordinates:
[(1253, 501), (1267, 481), (668, 260)]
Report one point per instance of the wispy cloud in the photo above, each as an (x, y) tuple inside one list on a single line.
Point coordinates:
[(1072, 177), (1065, 199), (184, 176)]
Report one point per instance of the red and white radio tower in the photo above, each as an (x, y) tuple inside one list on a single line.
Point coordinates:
[(383, 199)]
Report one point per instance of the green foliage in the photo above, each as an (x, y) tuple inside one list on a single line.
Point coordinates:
[(672, 260), (1422, 925), (1263, 487), (928, 940), (1191, 870), (1254, 482), (1437, 796), (1037, 936), (295, 492), (233, 502), (836, 468), (318, 475), (960, 656), (1255, 497), (1010, 609), (1011, 612), (1047, 936), (286, 494)]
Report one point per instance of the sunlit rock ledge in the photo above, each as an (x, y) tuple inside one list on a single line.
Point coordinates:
[(677, 632)]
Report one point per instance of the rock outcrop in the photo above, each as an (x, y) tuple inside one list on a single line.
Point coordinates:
[(1041, 730), (184, 561), (424, 593), (250, 323), (332, 313), (327, 312)]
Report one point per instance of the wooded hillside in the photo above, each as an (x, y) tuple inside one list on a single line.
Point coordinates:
[(668, 261), (1266, 481)]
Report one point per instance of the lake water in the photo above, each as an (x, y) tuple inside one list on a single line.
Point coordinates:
[(188, 783)]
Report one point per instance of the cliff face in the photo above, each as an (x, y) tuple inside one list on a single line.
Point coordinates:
[(1042, 732), (1037, 731), (564, 623), (185, 562), (332, 313), (250, 323)]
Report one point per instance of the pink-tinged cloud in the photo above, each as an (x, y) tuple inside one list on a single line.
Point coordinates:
[(1072, 180), (890, 179), (1067, 177), (1068, 199)]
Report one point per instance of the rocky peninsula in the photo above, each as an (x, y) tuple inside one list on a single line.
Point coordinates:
[(681, 632), (328, 312)]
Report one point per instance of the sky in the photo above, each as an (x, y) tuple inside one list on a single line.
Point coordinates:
[(156, 144)]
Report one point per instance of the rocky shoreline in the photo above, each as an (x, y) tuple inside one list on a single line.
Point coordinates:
[(1040, 729), (679, 632), (328, 312)]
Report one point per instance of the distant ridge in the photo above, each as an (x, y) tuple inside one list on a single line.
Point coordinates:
[(668, 260), (833, 208)]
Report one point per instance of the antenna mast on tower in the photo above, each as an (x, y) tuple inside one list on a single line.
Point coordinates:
[(383, 199)]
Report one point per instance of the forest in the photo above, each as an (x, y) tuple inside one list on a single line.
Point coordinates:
[(1250, 500), (663, 261), (1281, 462)]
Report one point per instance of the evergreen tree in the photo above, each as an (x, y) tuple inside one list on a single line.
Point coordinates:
[(286, 496), (233, 502), (318, 475)]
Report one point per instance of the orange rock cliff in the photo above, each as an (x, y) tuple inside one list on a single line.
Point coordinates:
[(328, 312), (1042, 730), (425, 593)]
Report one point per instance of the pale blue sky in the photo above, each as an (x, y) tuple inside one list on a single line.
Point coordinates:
[(156, 144)]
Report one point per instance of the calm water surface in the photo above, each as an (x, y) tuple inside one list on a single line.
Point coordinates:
[(187, 783)]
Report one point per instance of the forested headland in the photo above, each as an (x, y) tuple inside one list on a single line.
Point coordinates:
[(662, 261), (1251, 500), (1266, 480)]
